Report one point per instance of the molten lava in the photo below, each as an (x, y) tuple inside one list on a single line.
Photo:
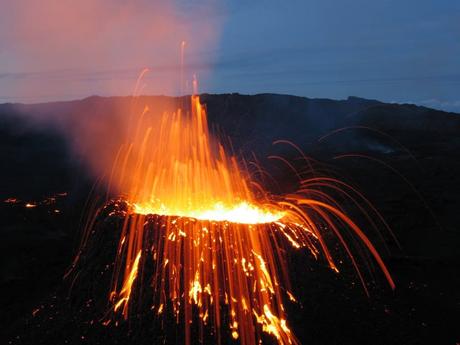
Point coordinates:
[(216, 241), (217, 245), (243, 212)]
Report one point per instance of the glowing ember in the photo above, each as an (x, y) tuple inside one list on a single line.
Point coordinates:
[(217, 247)]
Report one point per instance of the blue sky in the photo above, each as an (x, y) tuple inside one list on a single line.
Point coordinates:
[(395, 51)]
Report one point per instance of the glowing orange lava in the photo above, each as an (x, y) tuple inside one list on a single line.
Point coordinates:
[(219, 250), (243, 212)]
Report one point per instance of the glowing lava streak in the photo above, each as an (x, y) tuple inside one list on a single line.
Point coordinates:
[(218, 251)]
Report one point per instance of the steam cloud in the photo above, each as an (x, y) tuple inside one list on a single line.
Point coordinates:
[(66, 45), (51, 49)]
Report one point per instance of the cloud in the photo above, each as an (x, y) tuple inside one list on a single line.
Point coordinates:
[(50, 47), (452, 106)]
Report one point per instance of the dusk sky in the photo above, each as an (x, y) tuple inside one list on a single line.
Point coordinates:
[(394, 51)]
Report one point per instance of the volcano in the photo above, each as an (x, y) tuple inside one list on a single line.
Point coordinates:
[(80, 297), (218, 248)]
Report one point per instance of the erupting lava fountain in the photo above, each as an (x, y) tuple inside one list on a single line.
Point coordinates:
[(219, 240)]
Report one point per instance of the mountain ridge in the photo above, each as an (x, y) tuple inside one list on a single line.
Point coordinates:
[(355, 99)]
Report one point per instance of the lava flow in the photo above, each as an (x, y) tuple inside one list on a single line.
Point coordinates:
[(219, 239)]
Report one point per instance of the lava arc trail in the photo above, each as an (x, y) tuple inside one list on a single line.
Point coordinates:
[(218, 240)]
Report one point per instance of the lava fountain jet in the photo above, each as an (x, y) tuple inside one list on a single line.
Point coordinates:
[(217, 239)]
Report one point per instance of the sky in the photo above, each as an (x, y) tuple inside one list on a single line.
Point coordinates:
[(394, 51)]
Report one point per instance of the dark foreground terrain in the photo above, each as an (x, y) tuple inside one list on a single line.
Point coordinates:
[(404, 158)]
